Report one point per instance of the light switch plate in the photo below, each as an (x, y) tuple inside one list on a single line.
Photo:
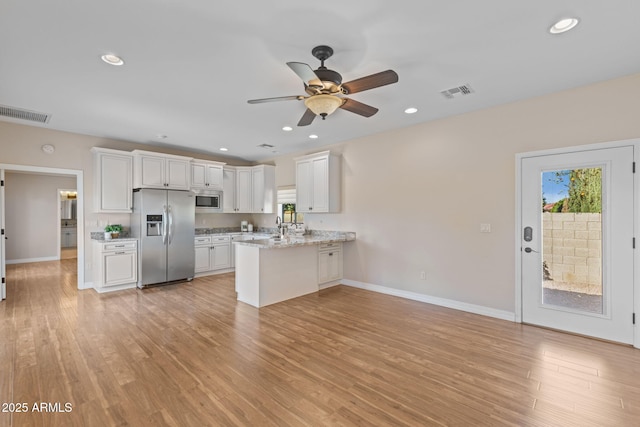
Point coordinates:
[(485, 228)]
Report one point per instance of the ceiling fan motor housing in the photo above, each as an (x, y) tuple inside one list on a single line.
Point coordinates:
[(326, 75)]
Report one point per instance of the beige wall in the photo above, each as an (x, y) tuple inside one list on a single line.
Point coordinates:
[(31, 214), (416, 197)]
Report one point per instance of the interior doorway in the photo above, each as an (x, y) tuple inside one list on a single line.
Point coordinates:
[(79, 184), (67, 223)]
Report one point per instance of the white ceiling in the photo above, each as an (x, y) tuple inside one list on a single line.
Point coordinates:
[(191, 65)]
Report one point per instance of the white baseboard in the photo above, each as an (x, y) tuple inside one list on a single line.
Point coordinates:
[(86, 285), (329, 284), (115, 288), (456, 305), (26, 260)]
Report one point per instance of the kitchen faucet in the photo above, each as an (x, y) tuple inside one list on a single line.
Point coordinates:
[(279, 225)]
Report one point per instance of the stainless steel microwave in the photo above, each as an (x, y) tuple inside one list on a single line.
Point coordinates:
[(209, 201)]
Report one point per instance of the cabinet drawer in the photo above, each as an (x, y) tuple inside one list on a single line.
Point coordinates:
[(330, 247), (218, 239), (202, 240), (120, 246)]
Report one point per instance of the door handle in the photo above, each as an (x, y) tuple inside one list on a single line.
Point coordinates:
[(170, 224), (165, 221), (529, 250)]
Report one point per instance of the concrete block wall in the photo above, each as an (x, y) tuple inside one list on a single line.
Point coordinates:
[(572, 250)]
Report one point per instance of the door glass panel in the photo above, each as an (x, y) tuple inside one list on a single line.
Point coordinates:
[(572, 239)]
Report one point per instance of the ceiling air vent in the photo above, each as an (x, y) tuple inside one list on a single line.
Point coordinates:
[(456, 92), (267, 146), (17, 113)]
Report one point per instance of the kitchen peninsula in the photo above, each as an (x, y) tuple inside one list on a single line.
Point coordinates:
[(271, 270)]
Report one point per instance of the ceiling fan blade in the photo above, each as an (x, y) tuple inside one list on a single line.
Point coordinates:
[(307, 118), (306, 73), (358, 107), (279, 98), (370, 82)]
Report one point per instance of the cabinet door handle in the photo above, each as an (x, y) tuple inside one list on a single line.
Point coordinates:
[(330, 253), (119, 246), (120, 253)]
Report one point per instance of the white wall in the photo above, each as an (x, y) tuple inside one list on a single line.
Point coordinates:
[(21, 145), (31, 203), (213, 220), (416, 197)]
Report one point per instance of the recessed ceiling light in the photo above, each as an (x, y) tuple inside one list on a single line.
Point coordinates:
[(112, 59), (411, 110), (313, 136), (563, 25), (161, 136), (287, 128), (224, 149)]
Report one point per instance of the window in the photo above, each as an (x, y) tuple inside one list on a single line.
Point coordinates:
[(287, 206), (289, 215)]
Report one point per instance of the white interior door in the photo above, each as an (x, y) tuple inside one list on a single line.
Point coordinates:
[(3, 270), (577, 239)]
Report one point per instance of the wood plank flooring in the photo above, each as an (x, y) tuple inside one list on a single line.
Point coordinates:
[(191, 355)]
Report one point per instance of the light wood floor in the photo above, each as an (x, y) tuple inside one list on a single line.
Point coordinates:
[(191, 355)]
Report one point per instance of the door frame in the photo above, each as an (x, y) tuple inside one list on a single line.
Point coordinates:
[(79, 175), (636, 221)]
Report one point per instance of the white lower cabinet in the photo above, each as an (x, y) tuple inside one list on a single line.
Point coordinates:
[(203, 256), (220, 253), (329, 262), (212, 253), (115, 265), (68, 237)]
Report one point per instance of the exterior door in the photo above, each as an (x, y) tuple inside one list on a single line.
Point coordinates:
[(577, 256), (3, 270)]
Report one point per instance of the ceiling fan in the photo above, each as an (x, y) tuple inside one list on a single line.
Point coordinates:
[(324, 87)]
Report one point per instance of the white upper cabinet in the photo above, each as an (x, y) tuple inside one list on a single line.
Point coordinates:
[(244, 197), (155, 170), (206, 175), (229, 189), (318, 182), (249, 189), (263, 180), (113, 181)]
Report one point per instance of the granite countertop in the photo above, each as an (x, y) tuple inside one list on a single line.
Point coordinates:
[(124, 237), (306, 240)]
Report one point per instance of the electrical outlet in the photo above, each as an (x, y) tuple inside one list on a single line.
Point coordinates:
[(423, 275)]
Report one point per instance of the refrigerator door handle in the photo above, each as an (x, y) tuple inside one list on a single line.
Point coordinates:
[(164, 224), (170, 224)]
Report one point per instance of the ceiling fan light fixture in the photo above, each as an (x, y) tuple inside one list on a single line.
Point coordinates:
[(322, 104)]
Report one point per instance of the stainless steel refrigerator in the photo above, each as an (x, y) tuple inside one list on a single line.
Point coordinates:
[(164, 223)]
